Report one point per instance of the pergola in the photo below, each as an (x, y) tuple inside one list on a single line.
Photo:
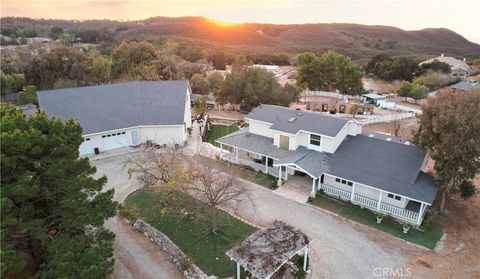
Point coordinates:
[(267, 250)]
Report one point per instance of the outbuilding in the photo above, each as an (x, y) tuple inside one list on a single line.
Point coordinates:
[(123, 114)]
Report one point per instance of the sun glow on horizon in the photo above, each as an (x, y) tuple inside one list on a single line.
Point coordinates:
[(221, 23)]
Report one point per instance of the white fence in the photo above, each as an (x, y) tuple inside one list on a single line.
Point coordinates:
[(364, 201), (336, 95), (369, 119), (252, 164)]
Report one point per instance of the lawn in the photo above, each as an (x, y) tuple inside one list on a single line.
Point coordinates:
[(218, 131), (249, 174), (194, 237), (429, 237)]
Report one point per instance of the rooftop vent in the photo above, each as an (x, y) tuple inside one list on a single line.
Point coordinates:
[(299, 113), (292, 119), (407, 143), (371, 135), (388, 139)]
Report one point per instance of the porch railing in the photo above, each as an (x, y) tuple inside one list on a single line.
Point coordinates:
[(332, 191), (254, 165), (367, 202), (399, 212)]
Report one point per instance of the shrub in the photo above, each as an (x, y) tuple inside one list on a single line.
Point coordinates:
[(468, 189)]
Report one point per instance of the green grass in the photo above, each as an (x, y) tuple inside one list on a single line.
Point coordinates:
[(218, 131), (248, 174), (194, 237), (429, 237)]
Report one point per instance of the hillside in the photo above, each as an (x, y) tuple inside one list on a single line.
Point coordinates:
[(361, 42)]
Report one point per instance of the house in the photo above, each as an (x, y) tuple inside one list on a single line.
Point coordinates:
[(458, 67), (466, 85), (373, 98), (28, 109), (124, 114), (332, 153)]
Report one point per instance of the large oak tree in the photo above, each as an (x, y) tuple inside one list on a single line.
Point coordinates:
[(52, 209), (450, 130)]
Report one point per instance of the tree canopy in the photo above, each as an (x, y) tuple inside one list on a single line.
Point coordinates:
[(52, 209), (450, 130), (388, 68), (412, 90), (435, 66), (330, 71), (250, 87)]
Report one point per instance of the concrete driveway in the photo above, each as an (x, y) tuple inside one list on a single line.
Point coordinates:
[(341, 248)]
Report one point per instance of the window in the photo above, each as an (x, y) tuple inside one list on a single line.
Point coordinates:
[(337, 180), (103, 136), (344, 181), (87, 139), (315, 139), (284, 142), (123, 133), (392, 196), (350, 183)]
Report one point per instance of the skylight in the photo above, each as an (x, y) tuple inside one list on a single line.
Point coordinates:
[(292, 119)]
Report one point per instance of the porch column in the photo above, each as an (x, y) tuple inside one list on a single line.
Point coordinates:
[(312, 194), (238, 271), (286, 173), (221, 151), (352, 196), (279, 181), (266, 164), (420, 213), (305, 258), (236, 155), (379, 200)]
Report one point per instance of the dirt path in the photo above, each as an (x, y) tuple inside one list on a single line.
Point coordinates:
[(136, 257)]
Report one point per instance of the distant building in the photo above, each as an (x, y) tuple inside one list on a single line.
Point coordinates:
[(458, 67), (28, 109), (466, 85), (271, 68)]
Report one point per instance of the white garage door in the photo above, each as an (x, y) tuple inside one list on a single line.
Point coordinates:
[(86, 147), (115, 140)]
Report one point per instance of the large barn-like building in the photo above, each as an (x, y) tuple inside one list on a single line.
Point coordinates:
[(124, 114)]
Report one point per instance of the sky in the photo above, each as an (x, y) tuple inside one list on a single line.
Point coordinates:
[(461, 16)]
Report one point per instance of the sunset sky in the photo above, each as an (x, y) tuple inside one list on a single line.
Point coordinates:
[(461, 16)]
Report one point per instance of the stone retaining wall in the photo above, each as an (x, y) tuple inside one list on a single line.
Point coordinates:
[(181, 261)]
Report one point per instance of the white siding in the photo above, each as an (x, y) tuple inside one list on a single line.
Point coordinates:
[(402, 203), (330, 180), (163, 134), (303, 139), (188, 110), (260, 128)]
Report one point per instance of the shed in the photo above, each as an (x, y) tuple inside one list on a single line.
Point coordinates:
[(373, 97)]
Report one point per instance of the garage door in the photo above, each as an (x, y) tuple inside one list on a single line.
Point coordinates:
[(86, 147), (115, 140)]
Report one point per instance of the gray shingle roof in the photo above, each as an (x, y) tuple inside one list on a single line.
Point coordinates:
[(121, 105), (467, 85), (390, 166), (307, 121)]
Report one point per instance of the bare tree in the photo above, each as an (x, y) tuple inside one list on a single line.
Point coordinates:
[(397, 124), (171, 170), (217, 189)]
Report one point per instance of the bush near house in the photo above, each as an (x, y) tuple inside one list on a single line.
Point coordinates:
[(192, 236)]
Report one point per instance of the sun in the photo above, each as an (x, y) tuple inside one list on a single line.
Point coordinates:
[(221, 23)]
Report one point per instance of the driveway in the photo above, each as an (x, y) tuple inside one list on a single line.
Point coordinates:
[(135, 256), (341, 248)]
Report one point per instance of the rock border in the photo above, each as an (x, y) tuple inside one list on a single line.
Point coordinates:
[(181, 261)]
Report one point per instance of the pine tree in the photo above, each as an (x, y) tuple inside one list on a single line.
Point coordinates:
[(52, 209)]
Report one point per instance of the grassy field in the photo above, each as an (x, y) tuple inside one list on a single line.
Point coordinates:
[(218, 131), (194, 237), (427, 238)]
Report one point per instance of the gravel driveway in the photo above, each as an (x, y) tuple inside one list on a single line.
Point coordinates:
[(135, 256), (341, 248)]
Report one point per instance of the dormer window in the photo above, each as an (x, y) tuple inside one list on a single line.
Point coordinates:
[(315, 139)]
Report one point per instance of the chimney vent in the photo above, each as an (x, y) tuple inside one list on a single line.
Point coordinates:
[(441, 55)]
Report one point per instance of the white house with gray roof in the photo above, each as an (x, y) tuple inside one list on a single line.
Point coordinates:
[(382, 175), (124, 114), (458, 67)]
